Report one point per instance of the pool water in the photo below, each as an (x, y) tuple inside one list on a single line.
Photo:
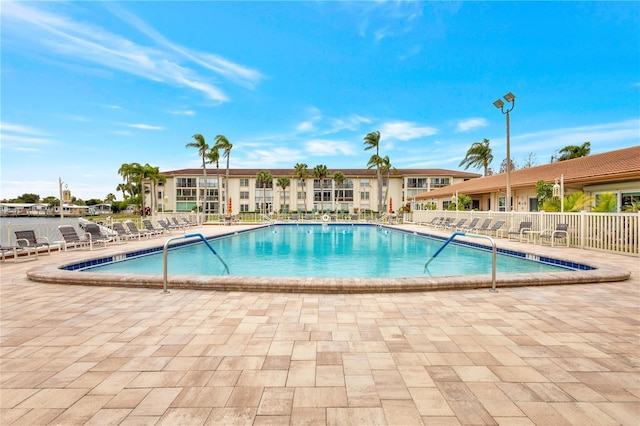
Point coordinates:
[(341, 251)]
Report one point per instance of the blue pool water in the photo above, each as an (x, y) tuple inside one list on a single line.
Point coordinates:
[(343, 251)]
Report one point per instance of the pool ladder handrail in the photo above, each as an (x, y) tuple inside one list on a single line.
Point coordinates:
[(267, 218), (493, 244), (164, 256)]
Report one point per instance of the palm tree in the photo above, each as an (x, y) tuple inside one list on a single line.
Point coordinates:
[(320, 172), (110, 198), (301, 172), (386, 167), (154, 176), (136, 174), (573, 151), (479, 155), (338, 178), (202, 148), (122, 187), (284, 182), (213, 156), (222, 143), (607, 202), (574, 202), (264, 177), (377, 162), (372, 140), (126, 171)]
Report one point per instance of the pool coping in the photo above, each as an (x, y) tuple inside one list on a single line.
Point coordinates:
[(600, 273)]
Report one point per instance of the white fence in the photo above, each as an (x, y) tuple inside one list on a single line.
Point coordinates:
[(612, 232)]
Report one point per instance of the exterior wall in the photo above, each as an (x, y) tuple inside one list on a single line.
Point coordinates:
[(168, 197)]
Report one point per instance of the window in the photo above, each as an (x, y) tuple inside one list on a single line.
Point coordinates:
[(364, 195), (439, 182), (185, 194), (244, 207), (417, 183), (244, 182), (344, 195), (364, 183), (502, 202), (628, 199), (302, 195), (186, 182), (244, 195), (211, 182)]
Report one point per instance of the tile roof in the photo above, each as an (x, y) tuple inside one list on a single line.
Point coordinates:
[(347, 172), (609, 167)]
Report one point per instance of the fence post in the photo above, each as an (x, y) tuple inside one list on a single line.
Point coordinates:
[(583, 228)]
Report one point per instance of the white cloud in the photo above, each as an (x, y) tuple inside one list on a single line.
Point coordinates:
[(352, 123), (17, 137), (60, 36), (322, 147), (405, 130), (306, 126), (182, 112), (603, 137), (17, 128), (145, 126), (470, 123), (279, 157)]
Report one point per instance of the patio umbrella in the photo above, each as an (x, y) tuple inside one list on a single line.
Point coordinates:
[(229, 209), (390, 205)]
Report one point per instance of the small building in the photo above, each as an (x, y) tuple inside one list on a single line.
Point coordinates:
[(616, 172)]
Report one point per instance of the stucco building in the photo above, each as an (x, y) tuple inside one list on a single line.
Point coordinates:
[(184, 190)]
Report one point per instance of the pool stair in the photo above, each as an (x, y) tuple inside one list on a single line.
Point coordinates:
[(462, 234), (164, 256)]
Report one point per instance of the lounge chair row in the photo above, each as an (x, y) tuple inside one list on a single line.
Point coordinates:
[(522, 232)]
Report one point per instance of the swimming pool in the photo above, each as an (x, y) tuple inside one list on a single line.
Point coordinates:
[(329, 251), (66, 272)]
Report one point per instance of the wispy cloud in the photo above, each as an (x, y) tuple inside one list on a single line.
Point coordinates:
[(405, 130), (306, 126), (323, 147), (352, 123), (263, 158), (385, 19), (470, 123), (17, 128), (182, 112), (61, 36), (237, 73), (145, 126), (16, 137), (603, 137)]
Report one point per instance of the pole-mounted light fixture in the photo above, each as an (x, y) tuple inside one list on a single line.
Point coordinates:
[(510, 98)]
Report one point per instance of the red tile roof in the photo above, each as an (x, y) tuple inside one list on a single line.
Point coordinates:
[(608, 167), (347, 172)]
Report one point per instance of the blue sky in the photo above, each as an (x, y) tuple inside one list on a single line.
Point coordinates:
[(87, 86)]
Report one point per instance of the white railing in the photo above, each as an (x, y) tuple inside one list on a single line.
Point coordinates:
[(612, 232)]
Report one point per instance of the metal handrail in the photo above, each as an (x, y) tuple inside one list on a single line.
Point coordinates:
[(456, 234), (164, 256)]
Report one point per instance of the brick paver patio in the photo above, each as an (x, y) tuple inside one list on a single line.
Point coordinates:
[(552, 355)]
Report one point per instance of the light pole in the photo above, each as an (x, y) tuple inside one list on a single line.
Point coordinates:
[(61, 213), (509, 97), (558, 191)]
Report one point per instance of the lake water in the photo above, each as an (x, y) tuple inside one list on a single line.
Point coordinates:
[(43, 227)]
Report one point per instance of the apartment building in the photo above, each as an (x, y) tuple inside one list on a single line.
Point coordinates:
[(184, 190)]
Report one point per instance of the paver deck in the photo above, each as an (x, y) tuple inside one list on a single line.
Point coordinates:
[(560, 355)]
